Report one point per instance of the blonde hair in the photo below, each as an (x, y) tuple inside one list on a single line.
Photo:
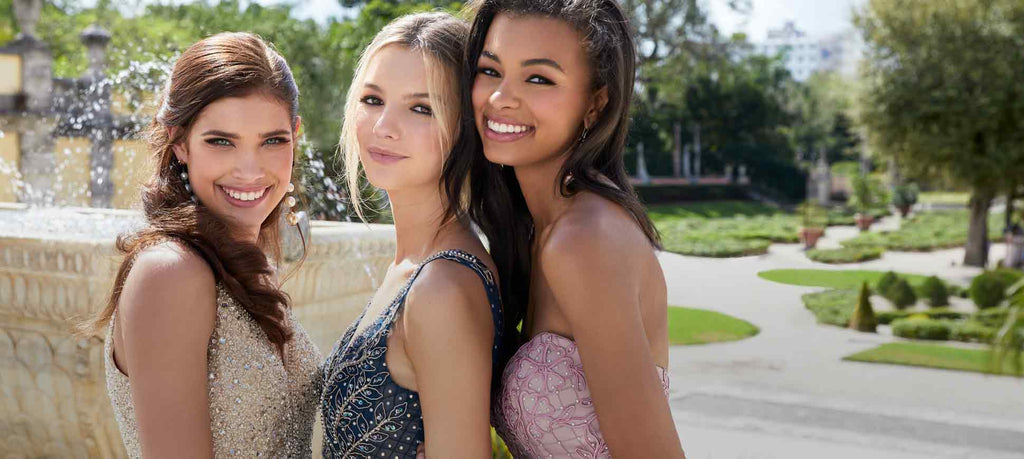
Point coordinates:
[(441, 39)]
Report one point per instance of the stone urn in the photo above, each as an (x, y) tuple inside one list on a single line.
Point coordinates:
[(809, 236)]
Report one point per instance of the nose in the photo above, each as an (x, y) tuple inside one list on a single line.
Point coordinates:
[(387, 125), (248, 167), (504, 96)]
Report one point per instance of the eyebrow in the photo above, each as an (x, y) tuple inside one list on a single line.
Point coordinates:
[(229, 135), (538, 61), (418, 95)]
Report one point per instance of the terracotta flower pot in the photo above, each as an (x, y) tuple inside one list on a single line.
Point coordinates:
[(863, 221), (810, 236)]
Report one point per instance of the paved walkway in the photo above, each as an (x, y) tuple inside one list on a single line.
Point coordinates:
[(787, 393)]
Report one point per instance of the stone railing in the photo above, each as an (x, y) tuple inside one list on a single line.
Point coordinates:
[(53, 400)]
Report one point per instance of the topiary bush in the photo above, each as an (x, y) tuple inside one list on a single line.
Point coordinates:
[(934, 290), (920, 328), (887, 317), (863, 318), (886, 282), (901, 295), (988, 289), (970, 331)]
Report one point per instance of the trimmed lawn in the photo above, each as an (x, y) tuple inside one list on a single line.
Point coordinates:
[(851, 278), (944, 197), (932, 356), (700, 326)]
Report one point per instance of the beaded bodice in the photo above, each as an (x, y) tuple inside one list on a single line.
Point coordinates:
[(259, 405), (365, 413)]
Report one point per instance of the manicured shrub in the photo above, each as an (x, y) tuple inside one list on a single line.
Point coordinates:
[(845, 254), (934, 290), (971, 332), (992, 317), (886, 282), (833, 307), (919, 328), (863, 318), (988, 289), (901, 295)]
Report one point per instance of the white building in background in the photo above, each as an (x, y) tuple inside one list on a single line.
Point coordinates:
[(840, 52)]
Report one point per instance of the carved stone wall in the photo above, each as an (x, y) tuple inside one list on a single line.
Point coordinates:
[(53, 400)]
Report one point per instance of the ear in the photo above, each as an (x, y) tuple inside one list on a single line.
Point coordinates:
[(598, 101), (297, 129), (179, 148)]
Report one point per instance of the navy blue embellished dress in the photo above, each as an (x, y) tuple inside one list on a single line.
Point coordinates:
[(365, 413)]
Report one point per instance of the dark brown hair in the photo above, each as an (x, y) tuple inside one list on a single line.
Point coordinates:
[(496, 202), (223, 65)]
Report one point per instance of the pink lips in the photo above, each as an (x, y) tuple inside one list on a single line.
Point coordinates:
[(241, 203), (383, 156), (504, 136)]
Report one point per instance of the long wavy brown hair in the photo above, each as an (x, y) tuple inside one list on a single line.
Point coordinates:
[(223, 65)]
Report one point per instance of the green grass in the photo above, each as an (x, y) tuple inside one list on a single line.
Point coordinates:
[(932, 356), (699, 326), (711, 209), (845, 254), (927, 231), (722, 228), (831, 278), (943, 197)]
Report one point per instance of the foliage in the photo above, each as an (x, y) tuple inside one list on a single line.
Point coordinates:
[(863, 317), (832, 307), (922, 328), (942, 94), (887, 282), (812, 215), (905, 195), (934, 290), (845, 254), (901, 295), (926, 231), (887, 317), (988, 289)]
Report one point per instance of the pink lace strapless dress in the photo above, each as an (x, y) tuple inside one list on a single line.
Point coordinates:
[(544, 407)]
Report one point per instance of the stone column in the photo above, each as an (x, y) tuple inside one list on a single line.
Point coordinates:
[(34, 107), (97, 101)]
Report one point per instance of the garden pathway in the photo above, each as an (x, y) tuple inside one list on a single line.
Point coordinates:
[(787, 393)]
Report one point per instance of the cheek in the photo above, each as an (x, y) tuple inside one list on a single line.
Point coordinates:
[(482, 91)]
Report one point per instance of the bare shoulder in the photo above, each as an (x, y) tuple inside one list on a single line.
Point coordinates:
[(449, 298), (594, 230), (168, 282)]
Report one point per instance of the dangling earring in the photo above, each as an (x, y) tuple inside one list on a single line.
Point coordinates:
[(188, 187), (292, 217), (583, 136)]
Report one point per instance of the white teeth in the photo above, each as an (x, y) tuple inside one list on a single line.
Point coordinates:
[(506, 128), (249, 196)]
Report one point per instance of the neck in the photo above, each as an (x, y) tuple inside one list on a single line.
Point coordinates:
[(418, 217), (541, 188)]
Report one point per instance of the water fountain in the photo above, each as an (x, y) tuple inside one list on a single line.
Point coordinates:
[(62, 148)]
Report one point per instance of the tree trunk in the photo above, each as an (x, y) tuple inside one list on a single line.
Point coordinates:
[(976, 251), (677, 149)]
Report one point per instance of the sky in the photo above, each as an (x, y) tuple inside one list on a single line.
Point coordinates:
[(817, 18)]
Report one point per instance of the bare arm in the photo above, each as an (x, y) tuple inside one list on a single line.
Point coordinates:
[(449, 334), (166, 316), (594, 271)]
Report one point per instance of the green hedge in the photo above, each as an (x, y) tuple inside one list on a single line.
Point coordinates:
[(656, 194), (832, 307), (941, 330), (887, 317), (845, 254), (988, 289), (927, 231)]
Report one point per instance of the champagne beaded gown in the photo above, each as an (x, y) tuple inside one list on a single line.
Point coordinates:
[(259, 405)]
